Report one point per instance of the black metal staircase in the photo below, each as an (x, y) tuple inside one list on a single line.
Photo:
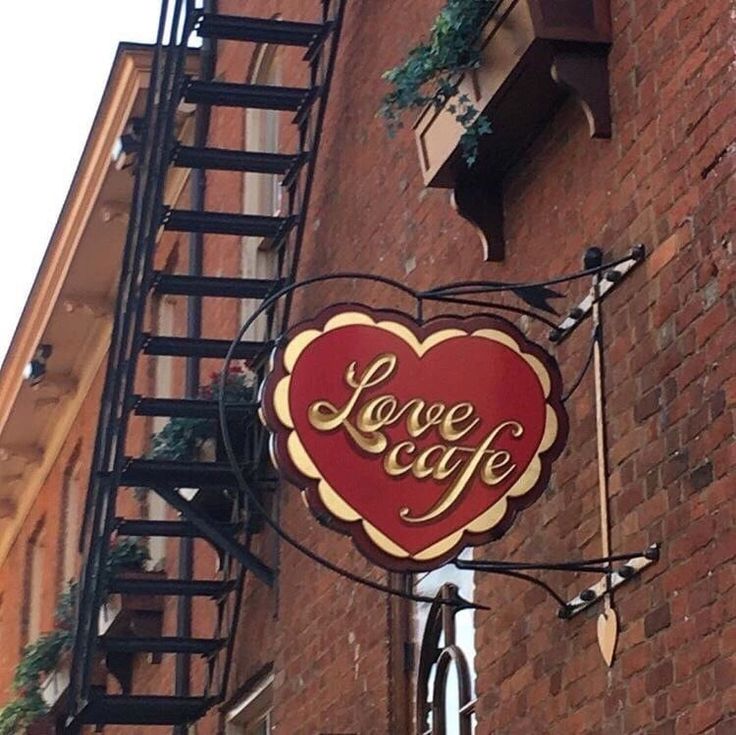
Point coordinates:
[(213, 509)]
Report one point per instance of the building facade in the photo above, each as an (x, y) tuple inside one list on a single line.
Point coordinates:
[(314, 652)]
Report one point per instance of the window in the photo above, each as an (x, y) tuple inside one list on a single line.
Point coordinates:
[(252, 716), (33, 586), (429, 585), (262, 193), (71, 513), (164, 318)]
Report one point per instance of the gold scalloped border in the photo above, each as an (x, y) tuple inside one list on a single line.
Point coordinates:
[(334, 502)]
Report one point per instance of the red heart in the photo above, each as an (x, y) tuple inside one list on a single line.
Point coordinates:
[(326, 418)]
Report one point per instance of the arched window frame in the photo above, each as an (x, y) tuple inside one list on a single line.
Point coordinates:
[(33, 585), (446, 645), (262, 192)]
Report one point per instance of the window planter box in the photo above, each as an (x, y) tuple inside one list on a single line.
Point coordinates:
[(54, 686), (535, 53), (126, 615), (217, 503), (54, 689), (134, 615)]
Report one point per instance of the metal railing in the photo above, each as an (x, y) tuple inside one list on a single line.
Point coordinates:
[(109, 453), (177, 21)]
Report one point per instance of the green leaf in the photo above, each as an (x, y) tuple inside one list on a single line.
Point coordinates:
[(20, 713), (127, 553), (431, 71), (181, 438)]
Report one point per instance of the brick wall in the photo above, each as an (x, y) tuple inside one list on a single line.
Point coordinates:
[(46, 515), (664, 179)]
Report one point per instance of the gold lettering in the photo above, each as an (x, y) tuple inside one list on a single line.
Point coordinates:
[(450, 429), (442, 471), (422, 467), (455, 490), (496, 461), (376, 414), (415, 424), (366, 424), (391, 461), (324, 416)]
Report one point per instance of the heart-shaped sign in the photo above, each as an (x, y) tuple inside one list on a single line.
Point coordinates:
[(417, 440)]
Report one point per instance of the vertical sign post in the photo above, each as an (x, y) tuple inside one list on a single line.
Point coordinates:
[(608, 619)]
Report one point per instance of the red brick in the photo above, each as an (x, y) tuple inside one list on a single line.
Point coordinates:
[(669, 373), (659, 677), (657, 620), (667, 250)]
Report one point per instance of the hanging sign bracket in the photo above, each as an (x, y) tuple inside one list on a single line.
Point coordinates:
[(630, 566), (604, 280), (611, 278), (380, 368), (610, 581)]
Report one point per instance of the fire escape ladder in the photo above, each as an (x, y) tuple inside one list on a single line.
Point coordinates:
[(203, 493)]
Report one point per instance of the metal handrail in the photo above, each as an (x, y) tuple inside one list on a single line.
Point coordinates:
[(166, 70)]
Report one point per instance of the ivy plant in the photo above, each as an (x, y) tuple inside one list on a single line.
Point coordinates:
[(431, 72), (18, 715), (43, 655), (38, 658), (127, 553), (182, 438)]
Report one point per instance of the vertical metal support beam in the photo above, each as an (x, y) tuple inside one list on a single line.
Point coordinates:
[(198, 189)]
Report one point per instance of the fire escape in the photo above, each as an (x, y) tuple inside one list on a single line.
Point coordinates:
[(217, 513)]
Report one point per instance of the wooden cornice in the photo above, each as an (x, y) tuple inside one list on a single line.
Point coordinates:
[(60, 396)]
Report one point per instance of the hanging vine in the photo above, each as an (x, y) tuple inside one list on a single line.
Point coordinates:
[(432, 71), (182, 438), (42, 656)]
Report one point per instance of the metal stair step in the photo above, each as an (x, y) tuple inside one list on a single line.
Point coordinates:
[(198, 347), (194, 646), (168, 529), (173, 473), (191, 408), (255, 96), (222, 159), (214, 286), (261, 30), (226, 223), (143, 710), (181, 587)]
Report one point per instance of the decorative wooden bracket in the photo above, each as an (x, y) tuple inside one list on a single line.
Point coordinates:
[(585, 75), (482, 206)]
